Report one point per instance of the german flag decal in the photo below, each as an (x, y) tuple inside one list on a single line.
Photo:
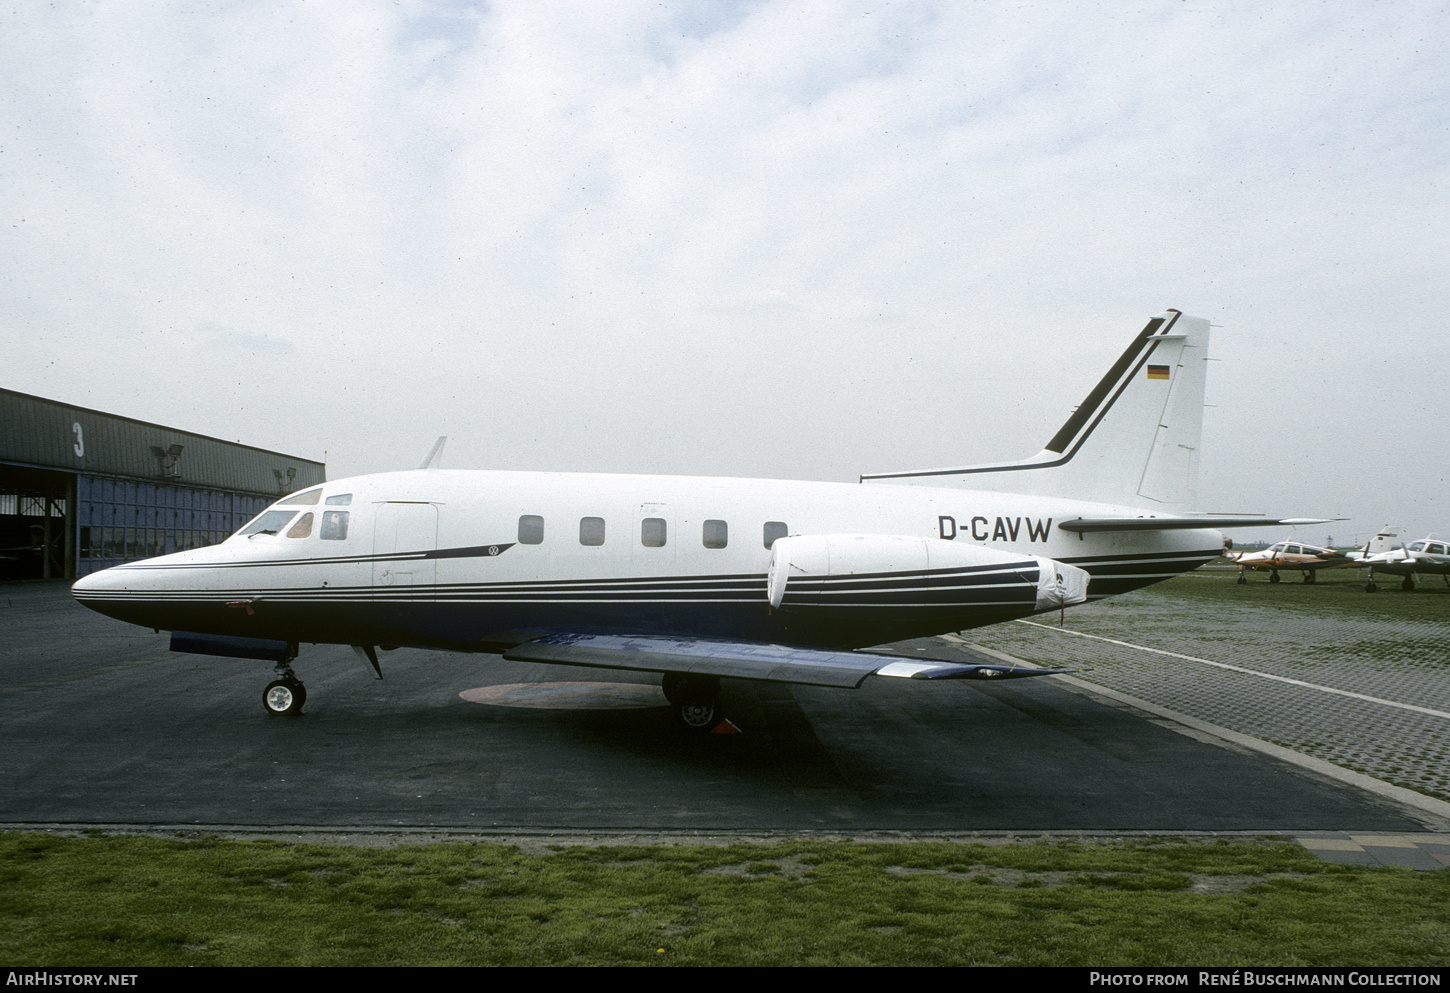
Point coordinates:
[(1157, 372)]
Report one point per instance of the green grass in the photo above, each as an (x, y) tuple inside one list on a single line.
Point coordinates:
[(1337, 592), (126, 900)]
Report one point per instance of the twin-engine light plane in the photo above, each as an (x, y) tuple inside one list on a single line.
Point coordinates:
[(704, 578), (1290, 555), (1429, 556)]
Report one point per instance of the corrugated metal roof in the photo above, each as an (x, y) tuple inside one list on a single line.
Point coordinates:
[(40, 432)]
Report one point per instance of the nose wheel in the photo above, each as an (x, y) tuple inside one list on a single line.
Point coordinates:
[(284, 697)]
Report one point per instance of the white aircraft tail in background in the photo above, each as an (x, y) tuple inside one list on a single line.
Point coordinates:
[(1384, 540)]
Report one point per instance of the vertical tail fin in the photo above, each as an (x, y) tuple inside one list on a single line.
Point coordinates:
[(1134, 440), (1384, 541)]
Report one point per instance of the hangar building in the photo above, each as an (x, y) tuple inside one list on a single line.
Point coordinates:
[(81, 490)]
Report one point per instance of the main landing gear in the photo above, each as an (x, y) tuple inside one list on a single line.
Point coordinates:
[(1407, 584), (285, 695), (696, 699)]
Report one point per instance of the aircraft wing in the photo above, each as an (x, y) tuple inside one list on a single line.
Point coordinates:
[(1097, 524), (749, 660)]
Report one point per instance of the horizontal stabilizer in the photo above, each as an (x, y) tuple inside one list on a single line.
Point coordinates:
[(748, 660), (1102, 524)]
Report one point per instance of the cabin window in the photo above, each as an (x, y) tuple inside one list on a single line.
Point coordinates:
[(591, 530), (303, 527), (774, 530), (339, 500), (652, 532), (301, 499), (268, 522), (717, 533), (334, 525), (531, 530)]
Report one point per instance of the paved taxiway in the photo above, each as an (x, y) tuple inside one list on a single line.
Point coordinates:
[(103, 725)]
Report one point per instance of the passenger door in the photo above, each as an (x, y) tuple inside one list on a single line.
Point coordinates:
[(402, 535)]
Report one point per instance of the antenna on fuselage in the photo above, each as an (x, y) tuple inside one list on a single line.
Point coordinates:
[(436, 455)]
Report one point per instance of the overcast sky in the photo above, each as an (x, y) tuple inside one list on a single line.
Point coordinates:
[(794, 239)]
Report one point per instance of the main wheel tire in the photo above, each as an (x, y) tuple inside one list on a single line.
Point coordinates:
[(1370, 587), (1243, 578), (672, 685), (1273, 577), (1408, 584), (699, 715), (284, 697)]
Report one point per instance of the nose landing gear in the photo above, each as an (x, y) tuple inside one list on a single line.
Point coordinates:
[(285, 695)]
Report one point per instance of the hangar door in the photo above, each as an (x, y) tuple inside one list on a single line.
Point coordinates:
[(37, 523)]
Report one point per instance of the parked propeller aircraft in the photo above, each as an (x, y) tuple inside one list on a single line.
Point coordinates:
[(1290, 554), (703, 578), (1430, 556)]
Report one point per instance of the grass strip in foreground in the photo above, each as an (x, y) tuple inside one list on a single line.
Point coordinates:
[(127, 900)]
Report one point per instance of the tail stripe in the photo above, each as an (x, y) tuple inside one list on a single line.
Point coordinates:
[(1094, 400), (1073, 434)]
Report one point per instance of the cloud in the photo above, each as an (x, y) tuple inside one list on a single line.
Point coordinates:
[(792, 238)]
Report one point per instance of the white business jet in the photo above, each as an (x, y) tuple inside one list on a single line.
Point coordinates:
[(703, 578)]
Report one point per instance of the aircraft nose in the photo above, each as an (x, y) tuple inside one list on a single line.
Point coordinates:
[(95, 583), (100, 589)]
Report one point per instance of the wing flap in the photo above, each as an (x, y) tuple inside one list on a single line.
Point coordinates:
[(748, 660)]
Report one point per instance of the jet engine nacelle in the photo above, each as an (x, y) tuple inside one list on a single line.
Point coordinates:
[(826, 556)]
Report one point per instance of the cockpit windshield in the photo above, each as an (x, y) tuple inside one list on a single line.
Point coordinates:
[(275, 518)]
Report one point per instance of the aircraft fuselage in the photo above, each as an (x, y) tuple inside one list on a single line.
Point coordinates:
[(461, 560)]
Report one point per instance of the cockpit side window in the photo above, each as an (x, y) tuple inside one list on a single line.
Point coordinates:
[(303, 527), (306, 499), (1418, 546), (334, 525)]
